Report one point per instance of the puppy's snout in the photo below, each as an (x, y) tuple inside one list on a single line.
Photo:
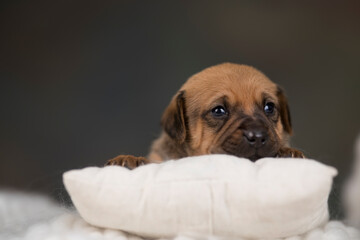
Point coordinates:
[(256, 137)]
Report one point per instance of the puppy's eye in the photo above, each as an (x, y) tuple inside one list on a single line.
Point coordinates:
[(269, 108), (219, 111)]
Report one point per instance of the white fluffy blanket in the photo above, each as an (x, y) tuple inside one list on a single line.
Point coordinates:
[(34, 217), (352, 191)]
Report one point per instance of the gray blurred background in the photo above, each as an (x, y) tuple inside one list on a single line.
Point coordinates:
[(84, 81)]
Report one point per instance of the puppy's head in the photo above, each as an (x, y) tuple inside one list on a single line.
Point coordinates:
[(229, 108)]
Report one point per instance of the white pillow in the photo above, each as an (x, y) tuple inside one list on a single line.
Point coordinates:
[(217, 195)]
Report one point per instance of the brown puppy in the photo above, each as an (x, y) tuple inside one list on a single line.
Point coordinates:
[(228, 108)]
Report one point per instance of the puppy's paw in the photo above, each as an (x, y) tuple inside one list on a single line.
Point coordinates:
[(290, 152), (127, 161)]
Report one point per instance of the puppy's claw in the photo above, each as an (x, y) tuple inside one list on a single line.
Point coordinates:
[(127, 161), (290, 152)]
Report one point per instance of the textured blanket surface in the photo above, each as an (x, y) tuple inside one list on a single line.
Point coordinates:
[(33, 217), (71, 227)]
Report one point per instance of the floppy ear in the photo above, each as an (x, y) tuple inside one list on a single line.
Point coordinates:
[(284, 111), (173, 120)]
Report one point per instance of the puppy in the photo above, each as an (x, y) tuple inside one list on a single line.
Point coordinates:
[(226, 109)]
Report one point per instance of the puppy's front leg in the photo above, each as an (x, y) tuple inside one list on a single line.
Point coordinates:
[(127, 161), (290, 152)]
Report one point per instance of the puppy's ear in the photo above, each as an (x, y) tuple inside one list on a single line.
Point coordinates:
[(284, 111), (173, 120)]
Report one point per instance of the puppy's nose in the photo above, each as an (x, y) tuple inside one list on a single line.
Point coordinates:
[(256, 138)]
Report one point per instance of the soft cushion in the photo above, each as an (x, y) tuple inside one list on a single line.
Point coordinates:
[(217, 195)]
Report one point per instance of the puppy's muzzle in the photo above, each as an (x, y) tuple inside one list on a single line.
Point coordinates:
[(256, 137), (255, 133), (252, 139)]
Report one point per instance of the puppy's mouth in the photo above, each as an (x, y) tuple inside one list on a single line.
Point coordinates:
[(241, 148), (252, 155), (257, 156)]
